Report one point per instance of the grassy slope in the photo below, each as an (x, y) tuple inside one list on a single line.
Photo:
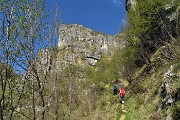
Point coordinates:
[(147, 105), (100, 103)]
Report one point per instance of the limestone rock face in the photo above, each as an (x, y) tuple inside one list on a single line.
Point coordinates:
[(130, 4), (79, 44), (169, 93)]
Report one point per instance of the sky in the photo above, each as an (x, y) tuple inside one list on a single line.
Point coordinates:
[(107, 16)]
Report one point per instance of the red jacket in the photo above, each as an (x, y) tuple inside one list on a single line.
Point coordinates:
[(122, 91)]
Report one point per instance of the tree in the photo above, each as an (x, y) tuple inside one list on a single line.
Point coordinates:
[(22, 36), (149, 27)]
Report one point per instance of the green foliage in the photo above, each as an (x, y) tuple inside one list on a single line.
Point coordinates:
[(123, 63), (176, 68), (142, 34), (176, 111), (128, 116), (150, 10), (100, 75), (146, 16), (119, 112), (148, 26), (124, 57)]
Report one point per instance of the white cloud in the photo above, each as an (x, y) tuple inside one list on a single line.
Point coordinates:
[(117, 2), (123, 22)]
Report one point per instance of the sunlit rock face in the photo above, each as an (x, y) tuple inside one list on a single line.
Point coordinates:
[(130, 4), (77, 45), (80, 44)]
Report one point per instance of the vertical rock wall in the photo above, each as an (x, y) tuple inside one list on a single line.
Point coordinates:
[(80, 43)]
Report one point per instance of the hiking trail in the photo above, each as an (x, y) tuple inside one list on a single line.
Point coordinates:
[(123, 112), (121, 109)]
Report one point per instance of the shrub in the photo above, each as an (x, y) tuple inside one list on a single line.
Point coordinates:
[(155, 117), (176, 111), (148, 28), (177, 67), (123, 63)]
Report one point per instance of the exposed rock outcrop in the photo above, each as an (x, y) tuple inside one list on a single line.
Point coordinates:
[(130, 4), (169, 93), (79, 44)]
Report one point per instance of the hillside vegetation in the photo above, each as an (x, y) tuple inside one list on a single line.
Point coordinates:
[(75, 80)]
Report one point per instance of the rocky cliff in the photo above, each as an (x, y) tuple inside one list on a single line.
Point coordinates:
[(79, 45)]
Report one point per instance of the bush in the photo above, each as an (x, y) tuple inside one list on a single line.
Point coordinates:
[(123, 63), (155, 117), (136, 87), (177, 67), (176, 111), (148, 27)]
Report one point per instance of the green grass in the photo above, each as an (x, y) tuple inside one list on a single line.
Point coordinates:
[(177, 67), (119, 112), (128, 116)]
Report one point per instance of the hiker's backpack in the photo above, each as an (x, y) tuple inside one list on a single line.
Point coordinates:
[(115, 87), (122, 91)]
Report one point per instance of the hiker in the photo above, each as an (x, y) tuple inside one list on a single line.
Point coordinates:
[(163, 90), (121, 94), (115, 89)]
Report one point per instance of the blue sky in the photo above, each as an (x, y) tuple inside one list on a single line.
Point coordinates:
[(107, 16)]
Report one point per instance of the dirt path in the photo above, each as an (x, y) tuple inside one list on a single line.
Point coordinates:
[(123, 112), (122, 117)]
